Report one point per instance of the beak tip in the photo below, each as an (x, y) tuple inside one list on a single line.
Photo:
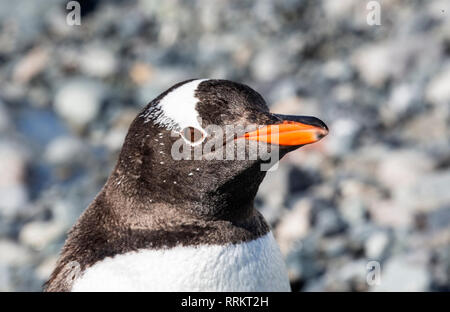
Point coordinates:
[(322, 133), (320, 124), (321, 128)]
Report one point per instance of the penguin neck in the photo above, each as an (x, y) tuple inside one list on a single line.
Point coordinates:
[(214, 206), (231, 201), (167, 224)]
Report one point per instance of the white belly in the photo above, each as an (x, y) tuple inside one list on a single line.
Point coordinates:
[(252, 266)]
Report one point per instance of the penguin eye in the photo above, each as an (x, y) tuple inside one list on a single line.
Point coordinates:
[(192, 135)]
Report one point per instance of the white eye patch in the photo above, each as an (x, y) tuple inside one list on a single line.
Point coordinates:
[(177, 112)]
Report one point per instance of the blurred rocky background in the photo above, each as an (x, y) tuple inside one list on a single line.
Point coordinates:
[(376, 189)]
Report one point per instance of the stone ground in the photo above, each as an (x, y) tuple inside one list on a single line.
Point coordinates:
[(376, 189)]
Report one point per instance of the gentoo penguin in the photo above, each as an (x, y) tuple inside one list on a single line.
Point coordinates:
[(166, 224)]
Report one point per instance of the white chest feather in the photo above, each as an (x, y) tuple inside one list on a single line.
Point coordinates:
[(252, 266)]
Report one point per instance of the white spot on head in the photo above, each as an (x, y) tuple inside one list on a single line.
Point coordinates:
[(190, 174), (177, 111), (178, 107)]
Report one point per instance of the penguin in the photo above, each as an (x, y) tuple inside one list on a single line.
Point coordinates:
[(161, 223)]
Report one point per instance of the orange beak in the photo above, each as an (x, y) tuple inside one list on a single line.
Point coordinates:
[(290, 132)]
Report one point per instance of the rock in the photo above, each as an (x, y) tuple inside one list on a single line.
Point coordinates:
[(46, 268), (272, 193), (436, 9), (440, 268), (268, 64), (284, 90), (79, 101), (438, 90), (40, 126), (401, 98), (353, 210), (377, 62), (339, 11), (327, 221), (364, 161), (344, 93), (438, 219), (376, 245), (325, 191), (344, 132), (374, 63), (302, 261), (39, 97), (332, 247), (14, 198), (31, 65), (242, 54), (98, 61), (429, 192), (65, 150), (314, 285), (39, 235), (13, 191), (355, 195), (5, 121), (23, 279), (12, 163), (336, 70), (400, 101), (403, 167), (358, 234), (13, 254), (141, 73), (429, 128), (300, 179), (295, 105), (5, 279), (312, 161), (293, 225), (403, 273), (347, 276), (7, 228), (210, 16), (67, 210), (114, 139), (25, 28), (375, 187), (386, 212)]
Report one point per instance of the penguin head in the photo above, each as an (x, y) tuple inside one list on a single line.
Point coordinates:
[(202, 143)]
